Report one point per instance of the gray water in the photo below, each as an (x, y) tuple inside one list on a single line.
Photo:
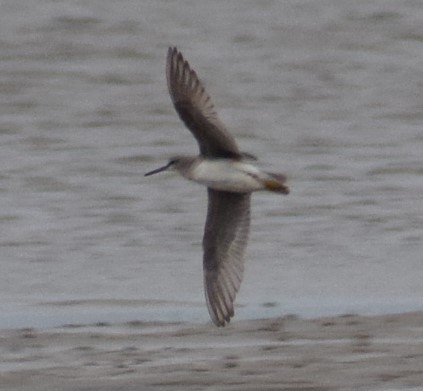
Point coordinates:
[(329, 92)]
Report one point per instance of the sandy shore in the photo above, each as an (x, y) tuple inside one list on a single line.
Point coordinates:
[(347, 352)]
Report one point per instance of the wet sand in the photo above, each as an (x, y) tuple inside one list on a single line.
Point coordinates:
[(348, 352)]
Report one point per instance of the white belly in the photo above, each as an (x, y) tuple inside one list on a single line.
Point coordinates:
[(227, 175)]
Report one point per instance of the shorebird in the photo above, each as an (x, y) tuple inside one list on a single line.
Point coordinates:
[(230, 179)]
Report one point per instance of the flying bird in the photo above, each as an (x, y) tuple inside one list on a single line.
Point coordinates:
[(230, 179)]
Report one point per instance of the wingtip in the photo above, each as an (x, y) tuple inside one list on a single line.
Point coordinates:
[(172, 52), (172, 49), (220, 322), (220, 312)]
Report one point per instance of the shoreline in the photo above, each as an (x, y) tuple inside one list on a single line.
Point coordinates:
[(342, 352)]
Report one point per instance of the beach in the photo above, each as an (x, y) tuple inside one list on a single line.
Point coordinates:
[(101, 283), (345, 352)]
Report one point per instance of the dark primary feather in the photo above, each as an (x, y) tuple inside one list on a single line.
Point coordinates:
[(196, 110), (225, 239)]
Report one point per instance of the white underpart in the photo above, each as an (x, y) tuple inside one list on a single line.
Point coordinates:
[(227, 175)]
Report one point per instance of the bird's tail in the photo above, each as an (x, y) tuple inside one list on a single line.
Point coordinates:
[(276, 183)]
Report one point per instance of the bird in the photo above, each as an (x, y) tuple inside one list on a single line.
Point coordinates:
[(230, 178)]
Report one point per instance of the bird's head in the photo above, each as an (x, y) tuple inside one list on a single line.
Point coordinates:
[(178, 163)]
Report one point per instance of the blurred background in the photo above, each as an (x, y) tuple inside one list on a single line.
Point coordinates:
[(328, 92)]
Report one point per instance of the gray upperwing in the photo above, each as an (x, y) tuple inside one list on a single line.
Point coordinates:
[(196, 110), (225, 239)]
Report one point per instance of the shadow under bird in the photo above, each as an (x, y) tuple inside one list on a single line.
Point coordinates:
[(230, 179)]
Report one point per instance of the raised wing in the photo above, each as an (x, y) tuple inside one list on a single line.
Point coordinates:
[(225, 239), (196, 110)]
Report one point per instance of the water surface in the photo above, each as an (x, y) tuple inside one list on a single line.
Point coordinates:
[(328, 92)]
